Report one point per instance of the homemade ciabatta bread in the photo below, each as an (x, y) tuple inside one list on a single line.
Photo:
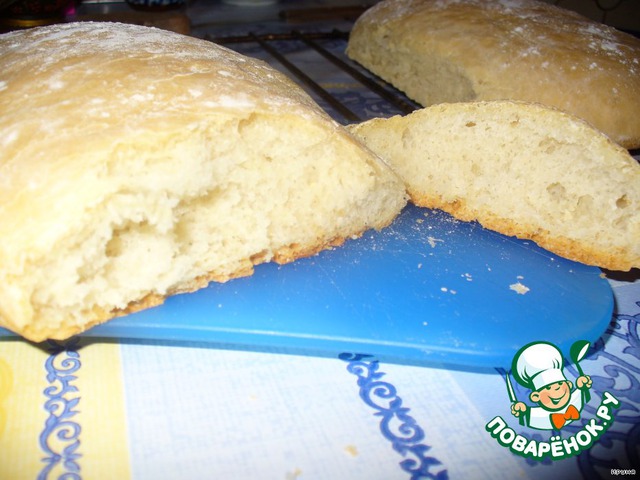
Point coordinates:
[(471, 50), (520, 169), (136, 163)]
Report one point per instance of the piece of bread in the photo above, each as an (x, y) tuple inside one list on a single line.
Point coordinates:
[(136, 163), (445, 51), (521, 169)]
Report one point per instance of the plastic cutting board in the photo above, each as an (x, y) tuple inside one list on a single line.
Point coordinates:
[(427, 289)]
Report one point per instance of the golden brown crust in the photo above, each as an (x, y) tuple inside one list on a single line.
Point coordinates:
[(285, 255), (584, 252)]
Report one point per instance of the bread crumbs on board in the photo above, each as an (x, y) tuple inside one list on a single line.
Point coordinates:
[(351, 450), (519, 288)]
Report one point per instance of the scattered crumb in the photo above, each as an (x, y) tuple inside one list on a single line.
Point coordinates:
[(351, 450), (293, 475), (467, 277), (219, 305), (419, 265), (432, 241), (444, 289), (419, 220), (425, 323), (519, 288)]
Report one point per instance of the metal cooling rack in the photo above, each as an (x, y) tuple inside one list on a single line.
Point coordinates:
[(317, 61)]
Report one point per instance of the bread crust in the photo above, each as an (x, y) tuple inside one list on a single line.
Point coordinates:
[(579, 251), (443, 51), (285, 255)]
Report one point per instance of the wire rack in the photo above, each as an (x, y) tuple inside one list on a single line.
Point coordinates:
[(316, 60)]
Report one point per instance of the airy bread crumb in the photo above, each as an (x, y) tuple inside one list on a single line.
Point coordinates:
[(520, 169)]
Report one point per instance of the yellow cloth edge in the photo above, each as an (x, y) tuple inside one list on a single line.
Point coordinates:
[(77, 394)]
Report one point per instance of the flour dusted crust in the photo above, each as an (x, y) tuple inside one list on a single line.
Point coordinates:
[(137, 163), (521, 169), (464, 50)]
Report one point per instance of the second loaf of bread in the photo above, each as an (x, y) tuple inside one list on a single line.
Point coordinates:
[(468, 50), (136, 163)]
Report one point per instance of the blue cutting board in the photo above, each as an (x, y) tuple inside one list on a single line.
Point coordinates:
[(427, 289)]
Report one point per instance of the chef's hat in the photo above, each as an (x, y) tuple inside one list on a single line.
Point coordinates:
[(538, 365)]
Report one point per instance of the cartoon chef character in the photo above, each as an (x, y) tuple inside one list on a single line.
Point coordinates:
[(538, 367)]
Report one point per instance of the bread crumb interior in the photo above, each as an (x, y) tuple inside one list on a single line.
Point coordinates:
[(207, 203)]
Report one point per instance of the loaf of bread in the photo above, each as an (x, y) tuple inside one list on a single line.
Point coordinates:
[(137, 163), (521, 169), (473, 50)]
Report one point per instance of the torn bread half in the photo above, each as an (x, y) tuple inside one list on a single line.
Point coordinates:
[(137, 163), (520, 169)]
